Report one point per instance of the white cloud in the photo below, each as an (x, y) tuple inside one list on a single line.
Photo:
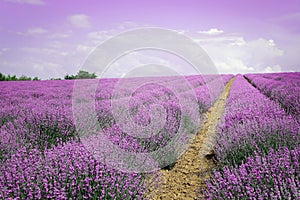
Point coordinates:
[(212, 31), (238, 41), (263, 50), (149, 63), (31, 31), (269, 69), (126, 25), (4, 49), (36, 31), (56, 44), (84, 48), (44, 51), (79, 21), (234, 54), (41, 62), (99, 35), (271, 42), (32, 2), (182, 31), (64, 53), (231, 53), (45, 69), (228, 39), (66, 34)]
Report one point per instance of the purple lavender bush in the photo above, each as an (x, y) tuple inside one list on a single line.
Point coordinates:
[(65, 172), (41, 155), (153, 94), (273, 176), (257, 148), (252, 122), (35, 115), (41, 152), (283, 88)]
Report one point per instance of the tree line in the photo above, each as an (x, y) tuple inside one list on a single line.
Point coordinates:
[(81, 74), (15, 78)]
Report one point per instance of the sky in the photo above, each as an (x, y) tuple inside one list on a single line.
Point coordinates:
[(52, 38)]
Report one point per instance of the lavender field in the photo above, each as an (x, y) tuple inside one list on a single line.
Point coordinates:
[(258, 140), (43, 156)]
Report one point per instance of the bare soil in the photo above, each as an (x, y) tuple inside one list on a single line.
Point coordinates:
[(188, 174)]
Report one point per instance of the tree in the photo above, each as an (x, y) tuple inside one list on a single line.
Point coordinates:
[(11, 78), (69, 77), (85, 75), (15, 78), (24, 78), (81, 75), (2, 77)]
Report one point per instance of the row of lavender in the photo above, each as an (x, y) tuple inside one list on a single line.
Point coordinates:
[(257, 147), (156, 113), (283, 88), (45, 106), (41, 153)]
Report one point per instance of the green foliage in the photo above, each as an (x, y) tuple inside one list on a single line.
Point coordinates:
[(15, 78), (24, 78), (239, 153), (2, 77), (81, 75), (84, 74), (10, 78), (69, 77)]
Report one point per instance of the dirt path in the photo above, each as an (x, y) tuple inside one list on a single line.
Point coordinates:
[(195, 165)]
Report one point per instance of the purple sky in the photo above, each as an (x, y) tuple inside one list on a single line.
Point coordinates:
[(49, 38)]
